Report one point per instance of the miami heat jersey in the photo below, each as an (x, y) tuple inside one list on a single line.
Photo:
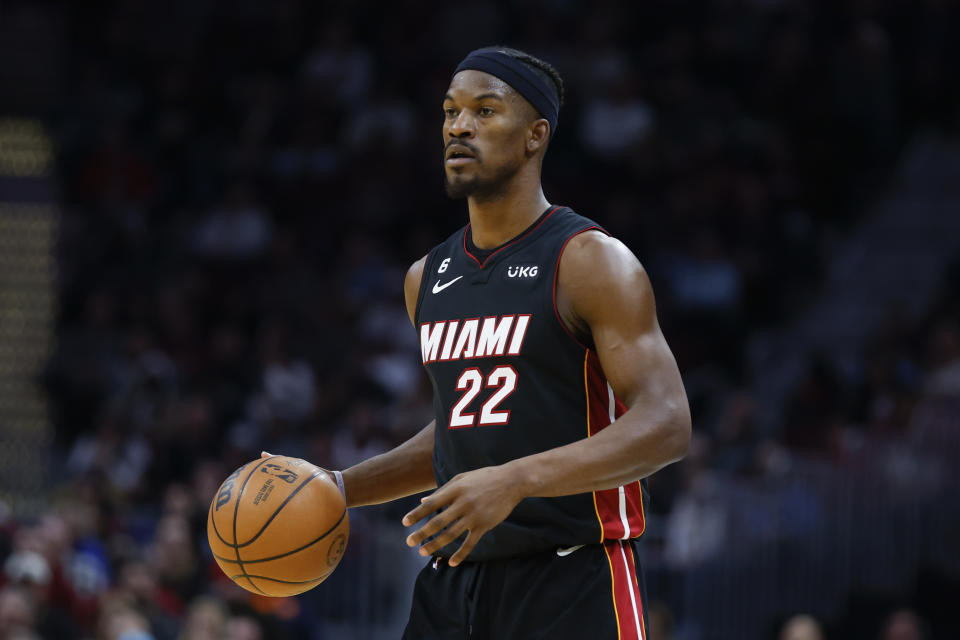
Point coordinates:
[(510, 381)]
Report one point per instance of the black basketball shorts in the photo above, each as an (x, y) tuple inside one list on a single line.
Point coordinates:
[(595, 592)]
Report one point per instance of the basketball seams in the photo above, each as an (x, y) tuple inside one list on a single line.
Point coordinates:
[(213, 521), (243, 575), (287, 564), (309, 544), (315, 474), (236, 510), (213, 514)]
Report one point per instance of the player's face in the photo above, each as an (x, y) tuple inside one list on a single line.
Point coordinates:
[(484, 133)]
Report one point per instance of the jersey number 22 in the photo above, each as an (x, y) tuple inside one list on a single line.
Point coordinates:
[(503, 378)]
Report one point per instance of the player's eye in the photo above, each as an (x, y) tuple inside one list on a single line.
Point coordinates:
[(486, 111), (450, 112)]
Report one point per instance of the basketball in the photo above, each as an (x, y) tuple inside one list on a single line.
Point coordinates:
[(278, 526)]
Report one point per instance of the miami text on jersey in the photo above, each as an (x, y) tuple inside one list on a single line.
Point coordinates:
[(447, 340)]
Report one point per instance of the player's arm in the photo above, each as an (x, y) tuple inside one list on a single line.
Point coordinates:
[(402, 471), (603, 292), (406, 469)]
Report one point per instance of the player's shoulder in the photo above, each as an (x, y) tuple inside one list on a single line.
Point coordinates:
[(598, 275), (592, 248), (415, 271), (597, 244), (568, 222), (411, 286), (596, 265), (414, 276)]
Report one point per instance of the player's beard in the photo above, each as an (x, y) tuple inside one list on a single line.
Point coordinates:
[(482, 188), (460, 186)]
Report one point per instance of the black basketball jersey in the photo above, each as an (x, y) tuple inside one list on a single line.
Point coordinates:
[(509, 380)]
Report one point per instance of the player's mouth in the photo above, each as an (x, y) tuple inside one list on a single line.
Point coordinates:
[(459, 155)]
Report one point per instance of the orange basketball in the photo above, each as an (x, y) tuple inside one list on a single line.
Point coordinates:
[(278, 526)]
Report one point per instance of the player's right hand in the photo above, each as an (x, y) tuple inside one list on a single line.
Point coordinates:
[(266, 454), (474, 501)]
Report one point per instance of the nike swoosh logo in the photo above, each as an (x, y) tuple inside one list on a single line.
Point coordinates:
[(565, 552), (437, 288)]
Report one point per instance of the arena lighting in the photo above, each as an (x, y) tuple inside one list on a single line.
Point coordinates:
[(25, 149), (28, 274)]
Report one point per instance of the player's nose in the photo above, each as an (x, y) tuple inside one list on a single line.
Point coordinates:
[(463, 126)]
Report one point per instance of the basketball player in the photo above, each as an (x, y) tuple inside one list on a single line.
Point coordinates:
[(555, 392)]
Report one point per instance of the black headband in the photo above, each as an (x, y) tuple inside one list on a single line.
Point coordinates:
[(519, 76)]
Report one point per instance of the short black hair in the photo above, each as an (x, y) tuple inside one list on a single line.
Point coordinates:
[(547, 72)]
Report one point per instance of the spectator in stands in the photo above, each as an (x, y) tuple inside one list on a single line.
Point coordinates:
[(661, 621), (17, 612), (903, 624), (238, 228), (160, 606), (206, 620), (697, 525), (944, 358), (801, 627), (119, 620), (244, 627)]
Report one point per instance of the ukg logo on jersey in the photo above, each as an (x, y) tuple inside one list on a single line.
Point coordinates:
[(523, 271)]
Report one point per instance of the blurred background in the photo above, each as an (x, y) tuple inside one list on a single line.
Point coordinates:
[(206, 212)]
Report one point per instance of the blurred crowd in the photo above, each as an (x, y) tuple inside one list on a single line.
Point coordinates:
[(245, 183)]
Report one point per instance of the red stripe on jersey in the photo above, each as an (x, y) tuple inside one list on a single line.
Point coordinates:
[(556, 273), (626, 594), (612, 514)]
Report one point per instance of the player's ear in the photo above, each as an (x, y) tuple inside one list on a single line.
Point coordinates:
[(538, 135)]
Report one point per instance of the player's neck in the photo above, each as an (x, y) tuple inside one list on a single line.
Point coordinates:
[(498, 220)]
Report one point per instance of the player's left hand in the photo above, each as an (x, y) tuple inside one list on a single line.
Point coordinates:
[(475, 501)]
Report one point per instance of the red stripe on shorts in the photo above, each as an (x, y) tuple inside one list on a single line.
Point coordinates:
[(626, 594)]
